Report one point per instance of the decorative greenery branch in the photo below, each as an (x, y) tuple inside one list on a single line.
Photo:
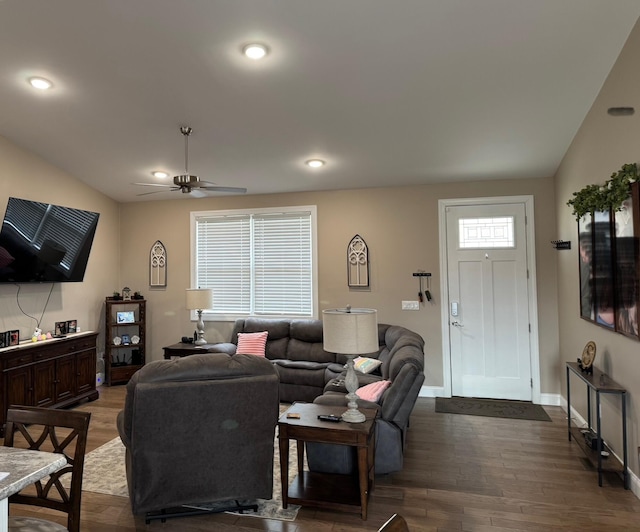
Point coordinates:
[(598, 198)]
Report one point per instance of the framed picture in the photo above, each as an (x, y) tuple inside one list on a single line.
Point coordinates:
[(4, 339), (126, 316), (61, 328), (609, 262), (14, 337), (72, 325)]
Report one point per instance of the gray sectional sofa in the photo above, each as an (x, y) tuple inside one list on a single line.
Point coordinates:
[(308, 373)]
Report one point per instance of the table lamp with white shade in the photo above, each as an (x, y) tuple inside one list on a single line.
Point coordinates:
[(199, 299), (350, 331)]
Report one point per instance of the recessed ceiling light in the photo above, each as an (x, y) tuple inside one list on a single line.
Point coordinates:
[(40, 83), (621, 111), (315, 163), (255, 51), (159, 174)]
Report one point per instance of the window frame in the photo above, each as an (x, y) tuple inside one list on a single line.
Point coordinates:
[(210, 315)]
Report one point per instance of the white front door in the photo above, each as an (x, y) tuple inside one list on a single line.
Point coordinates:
[(488, 307)]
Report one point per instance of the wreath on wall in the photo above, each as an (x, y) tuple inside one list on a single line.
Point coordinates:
[(610, 196)]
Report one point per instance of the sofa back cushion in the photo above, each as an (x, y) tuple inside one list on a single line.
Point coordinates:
[(306, 342)]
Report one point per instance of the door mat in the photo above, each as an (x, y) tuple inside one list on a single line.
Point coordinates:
[(491, 408)]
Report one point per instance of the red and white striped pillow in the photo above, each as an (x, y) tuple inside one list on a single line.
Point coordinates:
[(252, 343)]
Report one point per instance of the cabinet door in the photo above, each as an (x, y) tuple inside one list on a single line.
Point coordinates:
[(19, 387), (86, 370), (65, 378), (44, 375)]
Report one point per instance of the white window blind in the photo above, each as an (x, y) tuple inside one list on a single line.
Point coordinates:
[(257, 263)]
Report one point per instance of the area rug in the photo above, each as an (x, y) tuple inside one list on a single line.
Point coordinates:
[(491, 408), (104, 472)]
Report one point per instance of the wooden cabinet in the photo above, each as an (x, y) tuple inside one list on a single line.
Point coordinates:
[(125, 339), (54, 373)]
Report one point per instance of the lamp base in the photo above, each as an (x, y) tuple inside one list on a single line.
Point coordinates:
[(200, 325), (352, 415)]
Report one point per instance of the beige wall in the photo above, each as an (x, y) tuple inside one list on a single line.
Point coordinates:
[(400, 226), (602, 145), (27, 176)]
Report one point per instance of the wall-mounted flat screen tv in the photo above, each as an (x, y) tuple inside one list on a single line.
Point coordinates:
[(43, 243)]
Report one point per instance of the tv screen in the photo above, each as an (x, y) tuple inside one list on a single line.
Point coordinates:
[(42, 243)]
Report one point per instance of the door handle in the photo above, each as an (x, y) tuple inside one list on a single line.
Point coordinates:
[(456, 324)]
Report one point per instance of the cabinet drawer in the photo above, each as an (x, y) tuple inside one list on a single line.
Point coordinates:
[(16, 361), (80, 344)]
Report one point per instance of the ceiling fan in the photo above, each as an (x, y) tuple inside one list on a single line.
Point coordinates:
[(187, 183)]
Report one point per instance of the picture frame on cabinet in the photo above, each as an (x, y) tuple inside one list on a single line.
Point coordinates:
[(14, 337), (72, 325), (61, 328)]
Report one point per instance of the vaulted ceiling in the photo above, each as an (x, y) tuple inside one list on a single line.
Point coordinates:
[(385, 92)]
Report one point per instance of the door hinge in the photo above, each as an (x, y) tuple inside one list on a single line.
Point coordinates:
[(532, 383), (529, 327)]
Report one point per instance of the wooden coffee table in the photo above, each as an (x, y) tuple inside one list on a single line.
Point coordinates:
[(322, 490)]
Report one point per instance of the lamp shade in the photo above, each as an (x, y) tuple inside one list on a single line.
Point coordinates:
[(199, 298), (350, 331)]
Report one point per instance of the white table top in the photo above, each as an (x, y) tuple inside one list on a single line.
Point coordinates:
[(25, 467)]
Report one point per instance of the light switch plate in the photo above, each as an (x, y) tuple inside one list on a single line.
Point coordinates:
[(410, 305)]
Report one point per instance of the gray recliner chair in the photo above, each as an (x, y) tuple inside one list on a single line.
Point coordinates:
[(199, 429)]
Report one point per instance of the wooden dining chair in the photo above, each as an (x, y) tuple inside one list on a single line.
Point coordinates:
[(58, 431), (396, 523)]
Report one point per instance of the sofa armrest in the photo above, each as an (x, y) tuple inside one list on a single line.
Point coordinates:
[(121, 430), (340, 399), (223, 347)]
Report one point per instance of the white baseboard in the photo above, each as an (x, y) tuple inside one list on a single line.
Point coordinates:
[(431, 391)]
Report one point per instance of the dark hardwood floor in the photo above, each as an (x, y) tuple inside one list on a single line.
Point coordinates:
[(461, 473)]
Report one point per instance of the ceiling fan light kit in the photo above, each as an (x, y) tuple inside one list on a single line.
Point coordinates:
[(187, 183)]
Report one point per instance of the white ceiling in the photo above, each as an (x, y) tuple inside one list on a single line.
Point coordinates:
[(388, 92)]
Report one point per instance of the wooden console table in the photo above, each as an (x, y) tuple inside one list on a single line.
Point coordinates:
[(320, 490), (601, 384)]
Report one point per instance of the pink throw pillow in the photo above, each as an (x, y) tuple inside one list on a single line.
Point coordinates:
[(373, 392), (252, 343)]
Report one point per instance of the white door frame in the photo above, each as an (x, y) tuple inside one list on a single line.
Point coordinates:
[(531, 285)]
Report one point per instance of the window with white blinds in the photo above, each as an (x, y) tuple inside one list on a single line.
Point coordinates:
[(258, 263)]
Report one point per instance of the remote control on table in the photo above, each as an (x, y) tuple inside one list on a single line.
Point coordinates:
[(329, 417)]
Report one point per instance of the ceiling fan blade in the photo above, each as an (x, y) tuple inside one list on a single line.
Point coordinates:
[(216, 188), (152, 185), (171, 189)]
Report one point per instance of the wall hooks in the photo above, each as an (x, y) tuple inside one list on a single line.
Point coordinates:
[(427, 292), (561, 244)]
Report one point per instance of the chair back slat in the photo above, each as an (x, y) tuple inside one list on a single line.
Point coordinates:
[(65, 432)]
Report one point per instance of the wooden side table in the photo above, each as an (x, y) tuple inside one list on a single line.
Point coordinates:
[(183, 350), (342, 492)]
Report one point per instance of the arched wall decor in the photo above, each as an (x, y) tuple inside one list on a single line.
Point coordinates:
[(358, 262), (158, 264)]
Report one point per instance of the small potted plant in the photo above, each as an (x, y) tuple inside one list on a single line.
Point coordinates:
[(137, 295), (116, 296)]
